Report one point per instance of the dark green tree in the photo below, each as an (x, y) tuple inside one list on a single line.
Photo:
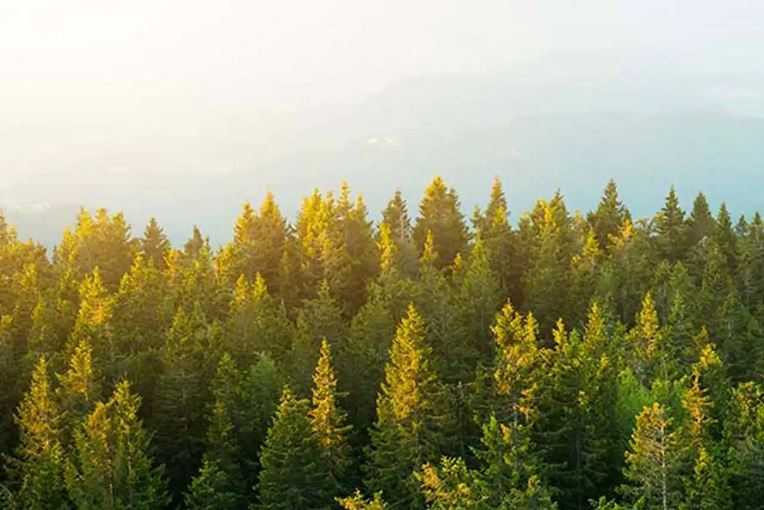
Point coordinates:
[(294, 473), (409, 427)]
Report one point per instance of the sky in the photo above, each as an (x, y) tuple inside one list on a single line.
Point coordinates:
[(130, 89)]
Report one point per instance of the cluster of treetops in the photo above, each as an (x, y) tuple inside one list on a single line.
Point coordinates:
[(571, 361)]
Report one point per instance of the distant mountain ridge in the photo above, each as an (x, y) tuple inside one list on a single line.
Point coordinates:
[(540, 127)]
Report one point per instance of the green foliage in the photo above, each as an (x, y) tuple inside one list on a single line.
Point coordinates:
[(294, 471), (655, 386), (439, 216), (112, 468), (409, 426), (38, 468)]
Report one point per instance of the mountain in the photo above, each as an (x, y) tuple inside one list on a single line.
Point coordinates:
[(566, 123)]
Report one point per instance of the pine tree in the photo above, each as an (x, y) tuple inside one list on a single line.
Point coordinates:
[(609, 217), (707, 486), (358, 502), (744, 443), (258, 244), (294, 472), (477, 301), (408, 430), (701, 222), (440, 215), (180, 400), (260, 392), (102, 241), (547, 279), (318, 318), (395, 231), (329, 421), (80, 387), (220, 480), (154, 245), (517, 367), (38, 468), (652, 462), (112, 467), (649, 358), (257, 323), (671, 229), (577, 418), (494, 230), (93, 323)]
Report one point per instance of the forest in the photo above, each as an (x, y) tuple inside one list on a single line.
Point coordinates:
[(428, 360)]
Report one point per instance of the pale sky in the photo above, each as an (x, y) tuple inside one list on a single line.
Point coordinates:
[(80, 78)]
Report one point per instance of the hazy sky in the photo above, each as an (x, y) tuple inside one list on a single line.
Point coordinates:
[(76, 75)]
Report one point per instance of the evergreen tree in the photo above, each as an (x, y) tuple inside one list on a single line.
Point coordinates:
[(38, 468), (112, 467), (329, 420), (181, 398), (257, 323), (154, 245), (609, 217), (493, 229), (358, 502), (744, 441), (671, 229), (395, 230), (547, 280), (577, 418), (220, 480), (440, 215), (408, 430), (80, 387), (93, 324), (652, 463), (294, 472), (701, 221), (478, 299), (318, 319)]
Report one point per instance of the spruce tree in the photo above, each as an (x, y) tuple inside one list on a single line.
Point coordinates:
[(493, 228), (294, 473), (113, 468), (329, 420), (358, 502), (440, 216), (671, 229), (38, 467), (181, 398), (154, 245), (260, 392), (653, 462), (318, 318), (408, 430), (744, 444), (80, 388), (257, 323), (609, 217), (478, 299)]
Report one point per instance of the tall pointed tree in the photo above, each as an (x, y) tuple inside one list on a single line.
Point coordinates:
[(154, 244), (113, 468), (38, 468), (408, 430), (329, 420), (440, 215), (671, 229), (652, 462), (609, 217), (294, 472)]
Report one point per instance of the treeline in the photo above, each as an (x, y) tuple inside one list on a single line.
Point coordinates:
[(573, 361)]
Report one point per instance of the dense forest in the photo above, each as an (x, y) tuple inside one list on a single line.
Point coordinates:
[(562, 360)]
